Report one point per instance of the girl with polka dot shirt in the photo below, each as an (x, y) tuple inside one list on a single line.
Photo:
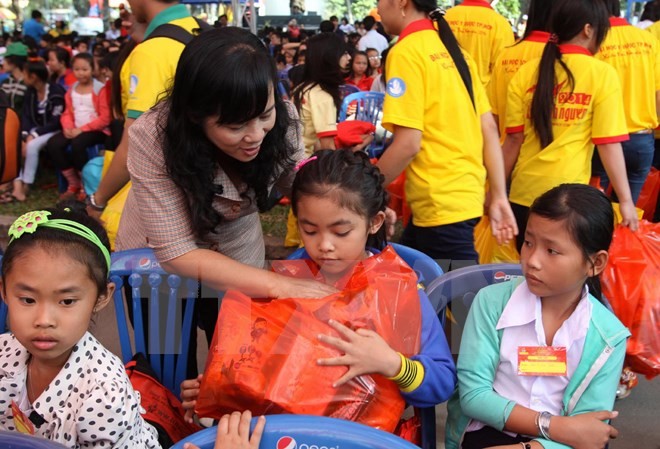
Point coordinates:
[(56, 380)]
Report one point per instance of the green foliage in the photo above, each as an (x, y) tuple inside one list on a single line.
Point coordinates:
[(339, 8), (510, 9)]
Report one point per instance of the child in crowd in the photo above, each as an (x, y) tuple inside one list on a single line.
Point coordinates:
[(84, 123), (339, 200), (56, 380), (374, 60), (360, 74), (506, 399), (42, 109), (562, 105), (59, 66), (14, 86)]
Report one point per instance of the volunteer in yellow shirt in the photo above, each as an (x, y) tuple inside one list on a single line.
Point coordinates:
[(559, 107), (444, 135), (152, 66), (635, 55), (482, 32), (529, 47)]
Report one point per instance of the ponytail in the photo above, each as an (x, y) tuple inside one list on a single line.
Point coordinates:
[(449, 41), (543, 101)]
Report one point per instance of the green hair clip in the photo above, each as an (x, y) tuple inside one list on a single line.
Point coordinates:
[(29, 222)]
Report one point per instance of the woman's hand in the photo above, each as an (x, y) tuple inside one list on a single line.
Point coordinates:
[(585, 431), (287, 287), (234, 432), (364, 352), (189, 394), (502, 221), (629, 215)]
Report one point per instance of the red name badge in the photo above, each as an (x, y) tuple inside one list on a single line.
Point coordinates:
[(542, 361)]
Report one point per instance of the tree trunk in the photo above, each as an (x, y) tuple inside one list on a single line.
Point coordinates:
[(350, 11)]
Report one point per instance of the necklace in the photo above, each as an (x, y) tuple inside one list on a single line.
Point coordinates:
[(30, 382)]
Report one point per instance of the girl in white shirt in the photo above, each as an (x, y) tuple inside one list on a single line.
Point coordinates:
[(56, 380)]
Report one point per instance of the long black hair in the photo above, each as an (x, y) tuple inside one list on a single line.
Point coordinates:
[(322, 67), (352, 181), (537, 17), (224, 73), (448, 40), (567, 20), (589, 219)]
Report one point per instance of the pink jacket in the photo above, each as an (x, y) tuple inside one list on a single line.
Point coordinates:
[(101, 104)]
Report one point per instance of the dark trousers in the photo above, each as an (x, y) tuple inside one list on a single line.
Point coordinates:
[(78, 157), (487, 437), (521, 213), (453, 242), (638, 154)]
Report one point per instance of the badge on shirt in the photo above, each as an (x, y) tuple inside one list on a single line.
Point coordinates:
[(21, 422), (396, 87), (542, 361)]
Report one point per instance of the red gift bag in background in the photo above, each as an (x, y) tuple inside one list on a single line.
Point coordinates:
[(264, 352), (631, 283)]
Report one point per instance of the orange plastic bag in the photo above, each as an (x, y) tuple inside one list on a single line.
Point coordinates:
[(631, 283), (487, 247), (264, 352)]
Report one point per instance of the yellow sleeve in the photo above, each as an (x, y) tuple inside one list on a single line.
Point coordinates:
[(150, 76), (656, 63), (324, 113), (404, 97), (515, 104), (481, 103), (609, 119), (503, 39), (492, 88)]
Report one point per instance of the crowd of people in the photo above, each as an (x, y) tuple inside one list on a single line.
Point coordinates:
[(204, 127)]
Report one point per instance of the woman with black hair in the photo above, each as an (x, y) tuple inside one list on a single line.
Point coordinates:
[(444, 135), (203, 163), (559, 108), (529, 47)]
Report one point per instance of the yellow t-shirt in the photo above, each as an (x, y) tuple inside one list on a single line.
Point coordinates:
[(635, 55), (655, 29), (482, 32), (125, 78), (590, 113), (154, 61), (318, 114), (445, 180), (506, 66)]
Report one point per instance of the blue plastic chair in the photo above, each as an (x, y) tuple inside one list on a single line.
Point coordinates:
[(16, 440), (369, 106), (427, 270), (459, 287), (310, 432), (139, 271), (346, 89)]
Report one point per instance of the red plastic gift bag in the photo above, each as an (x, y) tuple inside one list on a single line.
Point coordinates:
[(631, 282), (264, 352), (648, 198)]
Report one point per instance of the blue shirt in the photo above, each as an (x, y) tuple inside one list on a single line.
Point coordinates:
[(33, 29)]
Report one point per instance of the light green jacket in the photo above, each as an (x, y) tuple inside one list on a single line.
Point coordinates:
[(591, 388)]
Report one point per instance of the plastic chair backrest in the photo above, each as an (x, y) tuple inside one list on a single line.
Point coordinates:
[(459, 287), (16, 440), (427, 270), (168, 333), (368, 106), (346, 89), (300, 431)]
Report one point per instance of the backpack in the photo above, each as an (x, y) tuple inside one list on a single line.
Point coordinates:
[(10, 141), (177, 33)]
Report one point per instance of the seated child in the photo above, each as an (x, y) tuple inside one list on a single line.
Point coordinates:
[(56, 380), (339, 200), (504, 397)]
